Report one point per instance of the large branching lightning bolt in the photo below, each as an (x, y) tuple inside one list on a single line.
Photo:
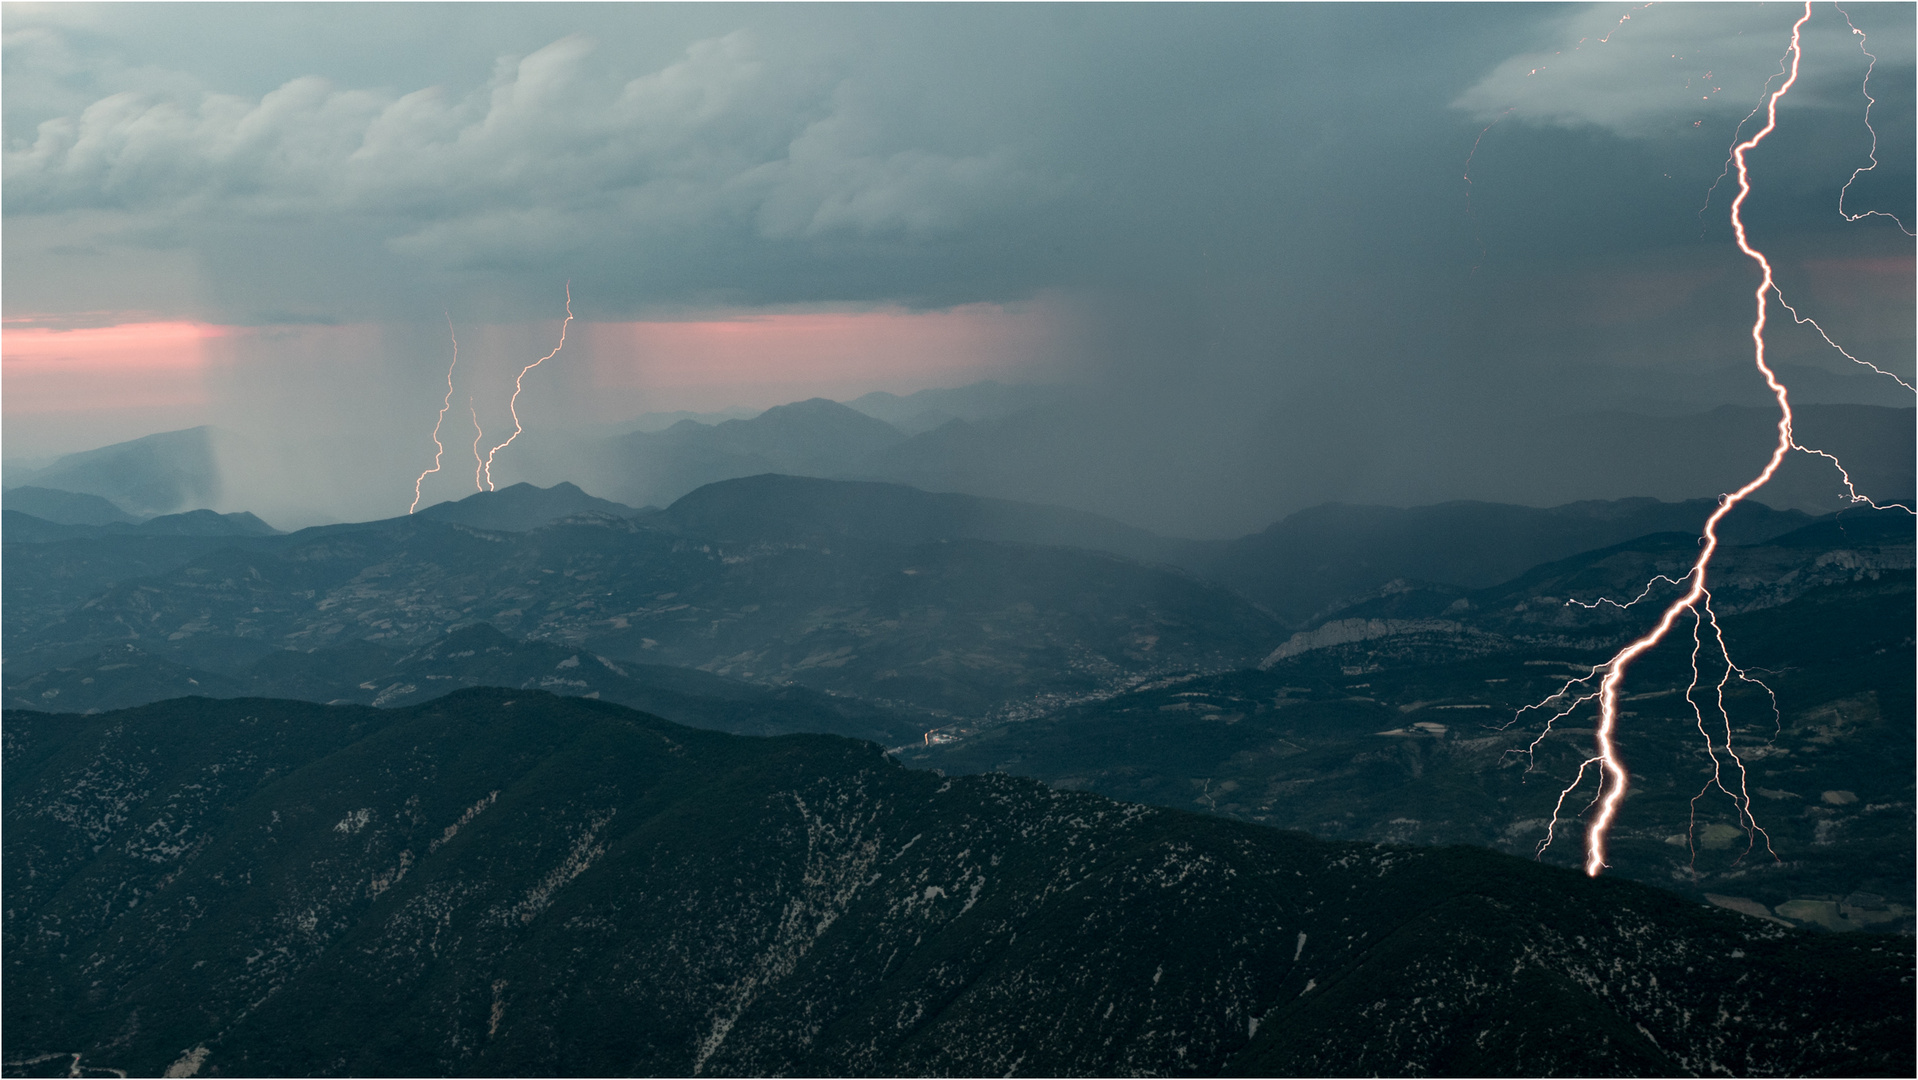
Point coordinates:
[(1696, 601), (439, 449), (487, 466)]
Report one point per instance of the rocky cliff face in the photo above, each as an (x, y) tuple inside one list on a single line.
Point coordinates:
[(508, 882)]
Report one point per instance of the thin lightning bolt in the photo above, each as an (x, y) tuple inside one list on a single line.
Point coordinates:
[(487, 466), (1804, 320), (479, 463), (1613, 780), (1627, 17), (1869, 102), (438, 448), (1469, 211), (1633, 602)]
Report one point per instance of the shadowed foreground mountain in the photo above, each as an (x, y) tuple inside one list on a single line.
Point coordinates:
[(504, 882)]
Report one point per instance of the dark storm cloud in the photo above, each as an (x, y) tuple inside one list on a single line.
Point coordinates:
[(820, 154), (1260, 212), (930, 156)]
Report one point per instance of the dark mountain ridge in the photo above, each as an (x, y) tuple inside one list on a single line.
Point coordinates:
[(962, 624), (1300, 566), (929, 601), (507, 882), (1404, 718), (65, 507), (816, 437), (774, 507), (23, 528), (362, 673)]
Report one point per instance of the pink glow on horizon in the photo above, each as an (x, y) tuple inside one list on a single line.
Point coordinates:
[(764, 360), (137, 364), (747, 359)]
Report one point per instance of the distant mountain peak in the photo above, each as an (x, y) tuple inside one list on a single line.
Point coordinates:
[(523, 507), (813, 410)]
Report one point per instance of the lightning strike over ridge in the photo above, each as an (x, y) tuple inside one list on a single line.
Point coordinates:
[(479, 463), (1613, 779), (439, 449), (518, 384)]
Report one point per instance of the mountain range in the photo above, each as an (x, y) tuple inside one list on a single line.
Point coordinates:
[(939, 624), (502, 881), (66, 507), (1045, 445), (973, 634), (307, 802)]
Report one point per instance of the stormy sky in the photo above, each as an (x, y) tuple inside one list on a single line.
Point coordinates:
[(1245, 235)]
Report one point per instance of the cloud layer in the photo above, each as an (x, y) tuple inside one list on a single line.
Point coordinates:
[(1659, 69), (553, 152), (1255, 219)]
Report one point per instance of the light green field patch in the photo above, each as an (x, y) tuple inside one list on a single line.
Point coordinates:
[(1719, 837), (1817, 912)]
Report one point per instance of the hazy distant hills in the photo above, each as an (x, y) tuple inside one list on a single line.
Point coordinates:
[(1040, 444), (927, 410), (154, 475), (941, 602), (502, 881), (1328, 553), (807, 438), (1701, 454), (925, 620), (1064, 453)]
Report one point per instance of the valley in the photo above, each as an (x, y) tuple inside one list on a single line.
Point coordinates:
[(975, 636), (891, 540)]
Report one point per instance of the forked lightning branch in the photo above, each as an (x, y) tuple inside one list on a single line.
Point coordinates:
[(1603, 683)]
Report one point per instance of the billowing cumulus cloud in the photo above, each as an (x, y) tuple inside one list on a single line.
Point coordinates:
[(550, 155)]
